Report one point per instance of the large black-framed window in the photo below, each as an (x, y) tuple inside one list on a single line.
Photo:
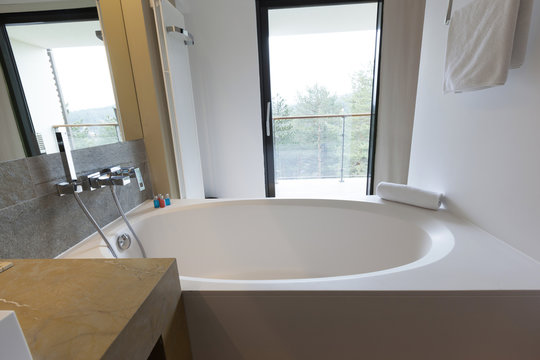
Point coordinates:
[(9, 67), (263, 6)]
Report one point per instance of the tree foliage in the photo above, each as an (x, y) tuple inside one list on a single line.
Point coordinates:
[(312, 148), (360, 99), (84, 137)]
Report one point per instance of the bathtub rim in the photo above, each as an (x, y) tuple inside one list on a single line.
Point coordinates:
[(479, 261), (441, 238)]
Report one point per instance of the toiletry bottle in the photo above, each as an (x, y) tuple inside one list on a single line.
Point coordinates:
[(161, 201), (167, 200), (156, 202)]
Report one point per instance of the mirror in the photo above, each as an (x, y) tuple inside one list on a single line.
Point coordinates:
[(57, 75)]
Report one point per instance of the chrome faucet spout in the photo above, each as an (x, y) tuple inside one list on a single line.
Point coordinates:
[(65, 152), (71, 185)]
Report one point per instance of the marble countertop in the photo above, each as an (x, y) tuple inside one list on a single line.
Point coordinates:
[(94, 308)]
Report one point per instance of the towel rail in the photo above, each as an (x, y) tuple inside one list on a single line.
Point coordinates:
[(449, 12), (189, 38)]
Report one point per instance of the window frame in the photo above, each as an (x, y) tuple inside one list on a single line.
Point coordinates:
[(14, 85), (262, 7)]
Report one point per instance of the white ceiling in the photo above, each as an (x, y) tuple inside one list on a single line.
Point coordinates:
[(322, 19), (57, 35)]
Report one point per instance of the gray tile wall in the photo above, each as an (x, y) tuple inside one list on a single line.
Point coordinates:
[(37, 223)]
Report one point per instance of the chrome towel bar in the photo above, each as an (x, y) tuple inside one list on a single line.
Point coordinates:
[(189, 38)]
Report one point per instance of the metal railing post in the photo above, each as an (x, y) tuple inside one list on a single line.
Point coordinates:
[(342, 145), (118, 132)]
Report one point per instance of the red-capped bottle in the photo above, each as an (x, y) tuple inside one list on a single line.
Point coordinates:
[(161, 201)]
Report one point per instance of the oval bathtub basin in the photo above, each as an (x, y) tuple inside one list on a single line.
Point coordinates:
[(282, 239)]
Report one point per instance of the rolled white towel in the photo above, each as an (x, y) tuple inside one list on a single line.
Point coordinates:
[(409, 195)]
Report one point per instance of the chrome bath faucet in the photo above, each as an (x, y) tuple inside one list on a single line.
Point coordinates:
[(110, 177), (113, 176)]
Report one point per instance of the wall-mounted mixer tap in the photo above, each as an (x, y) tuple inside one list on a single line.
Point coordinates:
[(106, 178), (115, 176), (133, 172), (74, 186), (111, 177), (110, 180)]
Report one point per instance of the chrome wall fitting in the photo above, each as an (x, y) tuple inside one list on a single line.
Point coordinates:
[(123, 242)]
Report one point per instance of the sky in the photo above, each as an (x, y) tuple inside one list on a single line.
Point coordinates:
[(83, 74), (328, 59)]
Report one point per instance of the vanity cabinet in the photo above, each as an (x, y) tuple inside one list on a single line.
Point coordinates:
[(98, 308)]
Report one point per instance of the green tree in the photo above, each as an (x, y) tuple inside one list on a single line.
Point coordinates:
[(362, 84), (360, 103), (320, 135), (283, 129), (312, 147), (84, 137), (279, 106), (316, 100)]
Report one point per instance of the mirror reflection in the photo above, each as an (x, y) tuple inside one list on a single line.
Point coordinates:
[(63, 82)]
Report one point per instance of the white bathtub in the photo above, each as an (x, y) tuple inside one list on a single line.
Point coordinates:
[(278, 244)]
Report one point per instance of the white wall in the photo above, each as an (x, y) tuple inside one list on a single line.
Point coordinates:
[(225, 73), (481, 148), (11, 147), (40, 91)]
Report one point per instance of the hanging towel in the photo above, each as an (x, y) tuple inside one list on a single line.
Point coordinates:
[(522, 33), (409, 195), (480, 44)]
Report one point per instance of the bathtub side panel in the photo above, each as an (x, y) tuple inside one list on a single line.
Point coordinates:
[(370, 325)]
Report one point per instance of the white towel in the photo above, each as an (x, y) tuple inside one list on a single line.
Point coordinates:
[(521, 36), (480, 44), (409, 195)]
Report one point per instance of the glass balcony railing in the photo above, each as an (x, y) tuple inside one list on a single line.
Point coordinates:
[(321, 146), (88, 135)]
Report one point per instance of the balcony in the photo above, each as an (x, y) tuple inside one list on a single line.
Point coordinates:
[(321, 156)]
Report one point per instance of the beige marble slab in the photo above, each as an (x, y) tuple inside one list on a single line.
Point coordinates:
[(91, 308)]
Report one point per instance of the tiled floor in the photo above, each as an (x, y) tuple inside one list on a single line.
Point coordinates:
[(349, 189)]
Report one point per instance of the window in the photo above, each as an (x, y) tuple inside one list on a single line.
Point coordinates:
[(319, 66)]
